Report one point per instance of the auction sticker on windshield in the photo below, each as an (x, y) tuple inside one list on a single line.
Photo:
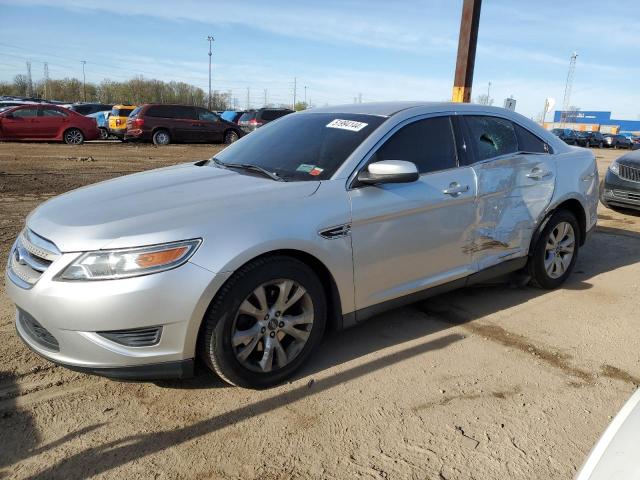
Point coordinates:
[(350, 125)]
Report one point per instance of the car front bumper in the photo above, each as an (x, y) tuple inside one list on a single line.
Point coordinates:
[(72, 313), (620, 192)]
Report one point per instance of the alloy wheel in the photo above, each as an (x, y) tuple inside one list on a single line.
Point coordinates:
[(559, 249), (73, 137), (272, 325)]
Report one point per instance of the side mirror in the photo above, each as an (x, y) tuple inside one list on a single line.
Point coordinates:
[(389, 171)]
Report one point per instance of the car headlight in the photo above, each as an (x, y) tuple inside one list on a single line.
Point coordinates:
[(131, 262), (615, 167)]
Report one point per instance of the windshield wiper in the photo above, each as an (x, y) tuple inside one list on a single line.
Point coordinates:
[(248, 166)]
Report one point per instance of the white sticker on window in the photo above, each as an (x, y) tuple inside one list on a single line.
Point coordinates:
[(350, 125)]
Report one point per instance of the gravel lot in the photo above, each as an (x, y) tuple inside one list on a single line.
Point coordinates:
[(488, 382)]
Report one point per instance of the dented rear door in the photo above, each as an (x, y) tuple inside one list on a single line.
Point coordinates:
[(513, 190)]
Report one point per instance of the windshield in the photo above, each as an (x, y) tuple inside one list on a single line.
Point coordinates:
[(121, 112), (308, 146)]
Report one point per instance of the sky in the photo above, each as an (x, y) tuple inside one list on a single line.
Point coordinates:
[(338, 50)]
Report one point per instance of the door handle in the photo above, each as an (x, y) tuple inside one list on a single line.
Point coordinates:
[(455, 189), (538, 174)]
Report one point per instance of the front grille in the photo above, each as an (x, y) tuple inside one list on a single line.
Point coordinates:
[(30, 257), (629, 173), (134, 337), (634, 196), (37, 332)]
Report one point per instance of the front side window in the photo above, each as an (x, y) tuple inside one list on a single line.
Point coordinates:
[(491, 136), (428, 143), (25, 112), (309, 146), (207, 116)]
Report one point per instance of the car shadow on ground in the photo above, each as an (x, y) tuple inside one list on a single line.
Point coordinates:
[(607, 250)]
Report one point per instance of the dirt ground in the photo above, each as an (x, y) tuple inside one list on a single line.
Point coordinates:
[(491, 382)]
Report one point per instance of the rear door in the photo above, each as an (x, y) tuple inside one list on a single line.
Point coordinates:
[(22, 125), (515, 179), (411, 236), (185, 123), (51, 121)]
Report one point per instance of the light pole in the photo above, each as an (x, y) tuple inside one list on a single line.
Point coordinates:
[(84, 81), (210, 40)]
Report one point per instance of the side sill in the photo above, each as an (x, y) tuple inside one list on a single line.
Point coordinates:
[(359, 316)]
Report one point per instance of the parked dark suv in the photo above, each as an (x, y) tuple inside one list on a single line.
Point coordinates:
[(252, 119), (594, 139), (566, 135), (163, 124), (617, 141), (89, 108)]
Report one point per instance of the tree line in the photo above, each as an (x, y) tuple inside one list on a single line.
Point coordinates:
[(135, 91)]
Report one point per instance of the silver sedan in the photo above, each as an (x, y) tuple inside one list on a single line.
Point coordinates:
[(324, 217)]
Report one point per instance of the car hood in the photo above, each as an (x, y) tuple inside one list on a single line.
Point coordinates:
[(164, 205), (632, 159)]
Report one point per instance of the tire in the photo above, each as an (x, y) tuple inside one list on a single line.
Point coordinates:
[(546, 249), (161, 137), (104, 134), (73, 136), (237, 308), (230, 136), (601, 145)]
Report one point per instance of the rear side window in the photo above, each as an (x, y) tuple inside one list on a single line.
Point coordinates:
[(269, 115), (171, 111), (428, 143), (491, 136), (528, 142), (247, 116), (53, 112)]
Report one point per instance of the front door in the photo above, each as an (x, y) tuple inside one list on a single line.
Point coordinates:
[(23, 124), (516, 180), (408, 237), (212, 127)]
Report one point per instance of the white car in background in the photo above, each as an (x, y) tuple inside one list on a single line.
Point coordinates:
[(615, 456)]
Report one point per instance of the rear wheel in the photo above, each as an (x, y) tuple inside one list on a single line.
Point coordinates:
[(161, 137), (264, 323), (73, 136), (556, 251), (104, 133), (230, 136)]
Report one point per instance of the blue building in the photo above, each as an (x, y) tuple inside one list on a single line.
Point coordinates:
[(602, 119)]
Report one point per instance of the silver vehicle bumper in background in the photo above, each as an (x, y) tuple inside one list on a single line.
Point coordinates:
[(140, 327)]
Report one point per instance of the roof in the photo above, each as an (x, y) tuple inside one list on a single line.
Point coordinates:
[(387, 109)]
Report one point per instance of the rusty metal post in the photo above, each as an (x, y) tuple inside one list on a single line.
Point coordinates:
[(466, 51)]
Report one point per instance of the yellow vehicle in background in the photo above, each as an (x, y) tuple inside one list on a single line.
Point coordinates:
[(118, 120)]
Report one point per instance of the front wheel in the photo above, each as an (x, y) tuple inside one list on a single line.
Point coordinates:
[(601, 145), (104, 134), (264, 323), (556, 251), (73, 136), (230, 137)]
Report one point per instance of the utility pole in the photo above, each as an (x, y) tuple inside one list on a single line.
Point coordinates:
[(46, 79), (84, 81), (305, 96), (295, 85), (210, 40), (467, 42), (265, 97), (248, 98), (566, 101), (29, 81), (488, 93), (359, 97)]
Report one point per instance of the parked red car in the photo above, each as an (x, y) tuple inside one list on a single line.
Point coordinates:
[(47, 122)]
